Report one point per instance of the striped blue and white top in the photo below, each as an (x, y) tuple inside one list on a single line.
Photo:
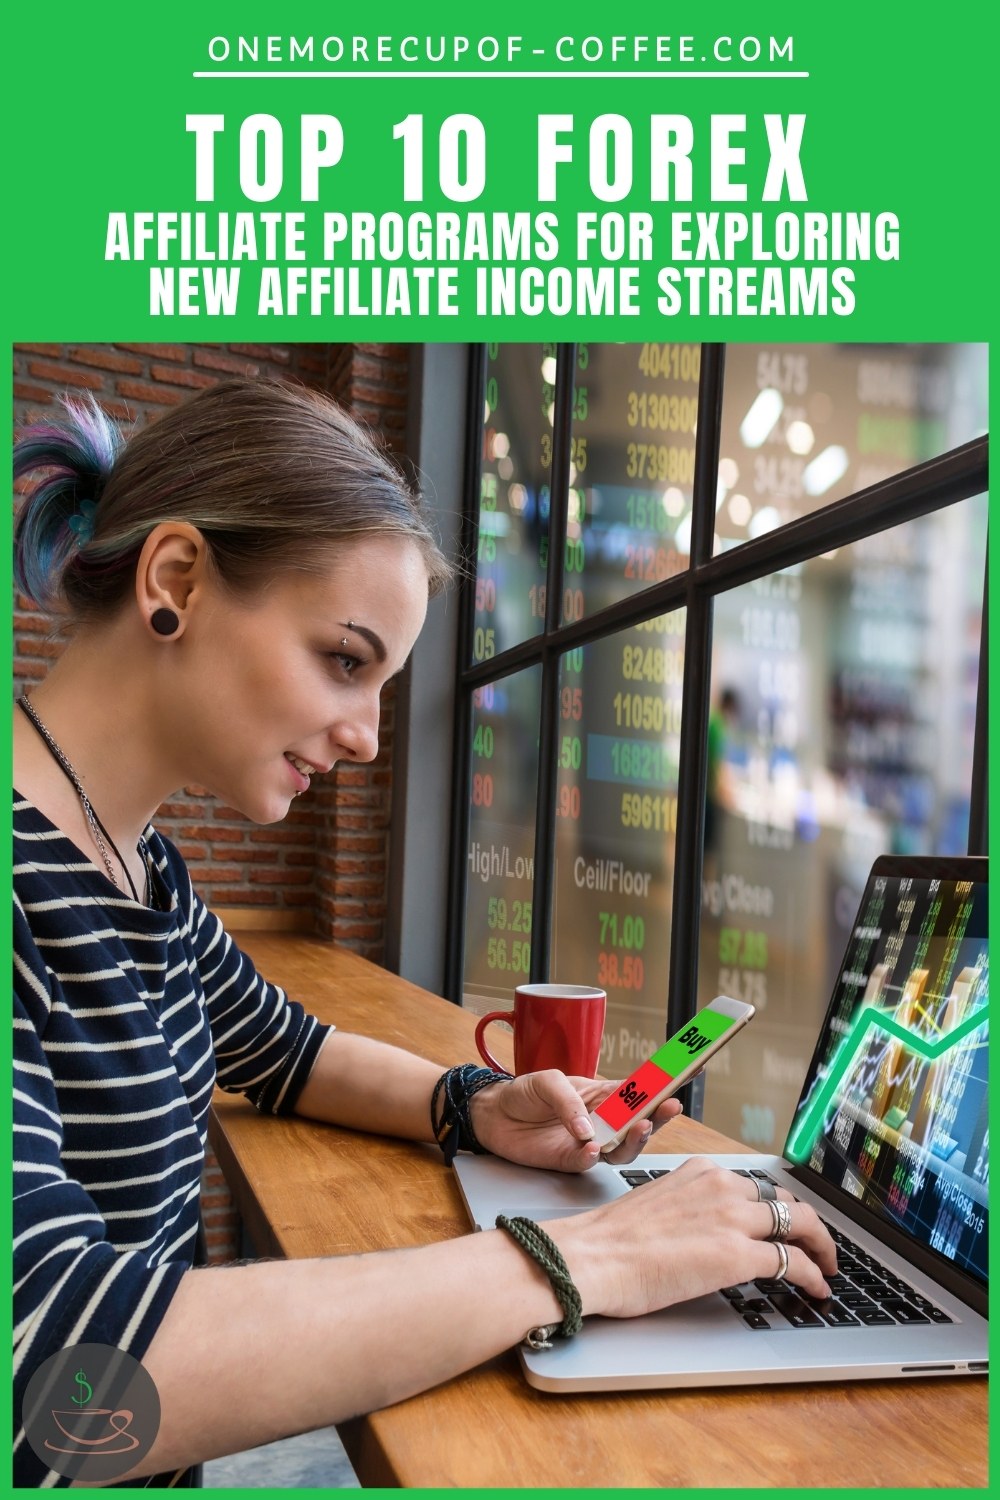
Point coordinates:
[(125, 1017)]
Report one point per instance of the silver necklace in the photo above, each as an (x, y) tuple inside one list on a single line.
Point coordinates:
[(101, 836)]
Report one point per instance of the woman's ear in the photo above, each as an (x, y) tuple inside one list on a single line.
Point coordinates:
[(170, 578)]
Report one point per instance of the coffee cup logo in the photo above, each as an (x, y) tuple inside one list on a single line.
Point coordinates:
[(91, 1412)]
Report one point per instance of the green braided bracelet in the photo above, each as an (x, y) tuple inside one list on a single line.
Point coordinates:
[(535, 1242)]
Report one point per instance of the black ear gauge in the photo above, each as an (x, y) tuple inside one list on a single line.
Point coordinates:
[(164, 622)]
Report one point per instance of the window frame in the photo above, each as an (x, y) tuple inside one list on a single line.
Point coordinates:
[(932, 485)]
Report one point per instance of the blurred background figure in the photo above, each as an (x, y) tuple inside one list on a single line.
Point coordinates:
[(720, 794)]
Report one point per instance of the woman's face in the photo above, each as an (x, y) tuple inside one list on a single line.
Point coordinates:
[(292, 679)]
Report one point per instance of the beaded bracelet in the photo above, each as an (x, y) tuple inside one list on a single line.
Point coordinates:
[(533, 1240), (453, 1131)]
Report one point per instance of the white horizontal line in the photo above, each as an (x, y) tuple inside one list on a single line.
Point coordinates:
[(530, 73)]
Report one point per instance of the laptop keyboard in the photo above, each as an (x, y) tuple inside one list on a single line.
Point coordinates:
[(866, 1293)]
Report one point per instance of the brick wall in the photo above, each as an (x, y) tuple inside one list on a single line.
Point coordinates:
[(324, 867)]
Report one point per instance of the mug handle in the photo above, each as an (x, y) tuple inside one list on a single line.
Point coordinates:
[(484, 1021)]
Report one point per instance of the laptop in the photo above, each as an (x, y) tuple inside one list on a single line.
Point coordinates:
[(889, 1143)]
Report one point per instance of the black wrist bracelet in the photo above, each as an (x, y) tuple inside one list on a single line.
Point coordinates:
[(452, 1129), (533, 1240)]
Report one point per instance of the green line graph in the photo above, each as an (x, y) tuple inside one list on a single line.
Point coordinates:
[(803, 1134)]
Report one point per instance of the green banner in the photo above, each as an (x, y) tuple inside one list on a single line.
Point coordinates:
[(782, 171)]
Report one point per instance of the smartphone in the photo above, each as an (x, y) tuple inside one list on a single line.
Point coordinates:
[(669, 1069)]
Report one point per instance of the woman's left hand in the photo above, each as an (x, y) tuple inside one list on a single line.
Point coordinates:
[(540, 1120)]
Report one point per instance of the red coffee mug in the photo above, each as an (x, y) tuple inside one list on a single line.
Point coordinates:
[(555, 1026)]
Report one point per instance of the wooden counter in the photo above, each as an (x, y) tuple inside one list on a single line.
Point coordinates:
[(309, 1189)]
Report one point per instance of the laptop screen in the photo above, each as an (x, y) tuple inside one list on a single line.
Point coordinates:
[(894, 1109)]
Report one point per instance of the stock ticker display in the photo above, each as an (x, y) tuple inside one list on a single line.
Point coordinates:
[(833, 749), (896, 1112), (628, 524)]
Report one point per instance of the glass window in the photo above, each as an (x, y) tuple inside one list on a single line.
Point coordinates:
[(842, 709), (635, 409), (514, 496), (616, 813), (844, 697), (501, 852), (804, 425)]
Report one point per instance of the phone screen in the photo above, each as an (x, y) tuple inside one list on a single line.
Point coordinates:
[(666, 1063)]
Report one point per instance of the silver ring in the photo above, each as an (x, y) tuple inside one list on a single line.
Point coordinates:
[(766, 1191), (782, 1260), (781, 1218)]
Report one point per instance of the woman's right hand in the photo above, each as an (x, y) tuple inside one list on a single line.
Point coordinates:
[(684, 1235)]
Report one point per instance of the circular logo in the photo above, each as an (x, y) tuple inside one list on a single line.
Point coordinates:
[(91, 1412)]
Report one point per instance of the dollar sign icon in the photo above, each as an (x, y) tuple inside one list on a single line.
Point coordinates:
[(82, 1381)]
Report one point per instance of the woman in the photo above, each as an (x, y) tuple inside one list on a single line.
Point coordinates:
[(242, 579)]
